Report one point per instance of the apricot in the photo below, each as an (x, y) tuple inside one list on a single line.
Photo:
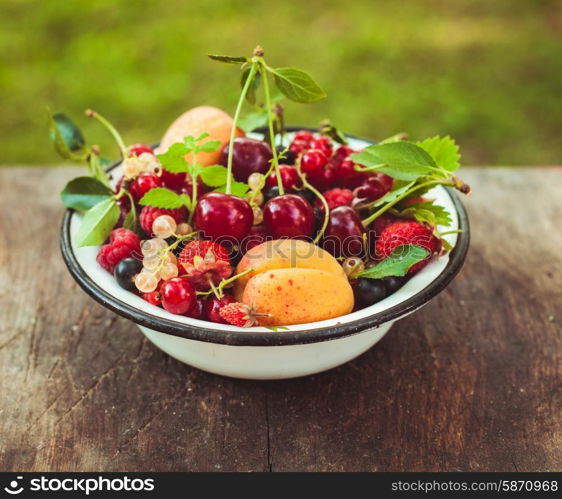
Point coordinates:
[(196, 121), (293, 281)]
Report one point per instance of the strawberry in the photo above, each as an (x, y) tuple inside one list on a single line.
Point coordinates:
[(240, 314), (402, 233), (204, 262)]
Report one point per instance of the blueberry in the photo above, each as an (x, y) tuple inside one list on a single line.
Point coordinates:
[(393, 284), (125, 272), (368, 291)]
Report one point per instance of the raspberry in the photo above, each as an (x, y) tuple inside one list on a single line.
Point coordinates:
[(123, 243), (336, 197), (407, 233), (205, 261), (240, 314), (149, 213)]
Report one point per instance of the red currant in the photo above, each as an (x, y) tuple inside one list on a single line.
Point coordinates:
[(153, 297), (138, 149), (322, 144), (178, 295), (313, 162), (304, 135), (144, 183), (298, 146), (289, 177)]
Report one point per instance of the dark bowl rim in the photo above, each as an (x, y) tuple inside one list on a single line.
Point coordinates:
[(270, 338)]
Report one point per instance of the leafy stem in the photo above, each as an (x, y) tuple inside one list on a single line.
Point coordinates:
[(253, 70)]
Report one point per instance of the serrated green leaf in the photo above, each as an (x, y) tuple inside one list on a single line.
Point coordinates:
[(83, 193), (397, 263), (173, 159), (443, 150), (131, 220), (67, 137), (209, 146), (254, 86), (204, 135), (253, 120), (187, 201), (297, 85), (229, 59), (238, 189), (97, 223), (399, 187), (400, 160), (428, 211), (214, 176), (160, 197)]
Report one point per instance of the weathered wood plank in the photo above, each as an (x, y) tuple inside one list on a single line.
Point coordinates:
[(471, 382)]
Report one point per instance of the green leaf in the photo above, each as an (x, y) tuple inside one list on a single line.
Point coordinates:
[(401, 160), (253, 120), (277, 328), (83, 193), (427, 211), (443, 150), (173, 159), (253, 88), (187, 201), (397, 263), (229, 59), (214, 176), (209, 146), (97, 224), (131, 221), (238, 189), (160, 197), (297, 85), (67, 137), (399, 187)]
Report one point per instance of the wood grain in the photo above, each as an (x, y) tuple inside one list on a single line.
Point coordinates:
[(470, 382)]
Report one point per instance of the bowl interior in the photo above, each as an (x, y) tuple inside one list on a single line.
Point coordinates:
[(102, 286)]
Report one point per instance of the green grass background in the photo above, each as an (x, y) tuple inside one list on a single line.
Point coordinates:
[(488, 72)]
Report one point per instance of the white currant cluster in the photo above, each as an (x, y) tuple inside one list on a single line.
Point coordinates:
[(256, 182), (159, 261), (144, 163)]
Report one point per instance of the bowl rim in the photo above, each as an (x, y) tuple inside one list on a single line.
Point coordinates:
[(269, 338)]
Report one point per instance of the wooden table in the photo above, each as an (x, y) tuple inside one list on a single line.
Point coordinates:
[(470, 382)]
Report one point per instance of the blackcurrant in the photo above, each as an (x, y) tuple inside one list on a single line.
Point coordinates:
[(125, 272), (289, 157), (271, 193), (393, 284), (308, 195), (368, 291)]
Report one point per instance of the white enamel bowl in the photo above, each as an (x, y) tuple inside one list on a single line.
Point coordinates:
[(259, 353)]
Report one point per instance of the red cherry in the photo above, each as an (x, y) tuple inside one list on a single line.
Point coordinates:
[(198, 310), (256, 236), (344, 234), (178, 295), (249, 156), (343, 152), (370, 190), (222, 216), (289, 177), (174, 181), (288, 216), (213, 306), (323, 144), (187, 187), (347, 176), (298, 146), (313, 162), (138, 149), (143, 183)]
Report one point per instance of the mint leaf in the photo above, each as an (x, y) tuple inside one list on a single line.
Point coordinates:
[(83, 193), (297, 85), (397, 263), (443, 150), (238, 189), (67, 137), (209, 146), (401, 160), (97, 223), (254, 86), (228, 59), (173, 159), (160, 197), (253, 120), (214, 176), (428, 211)]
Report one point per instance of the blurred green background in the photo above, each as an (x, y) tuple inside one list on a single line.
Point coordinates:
[(487, 72)]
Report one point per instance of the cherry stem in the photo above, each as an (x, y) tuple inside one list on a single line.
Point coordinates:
[(218, 290), (307, 185), (370, 219), (253, 70), (275, 159), (179, 239), (194, 190), (112, 130)]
